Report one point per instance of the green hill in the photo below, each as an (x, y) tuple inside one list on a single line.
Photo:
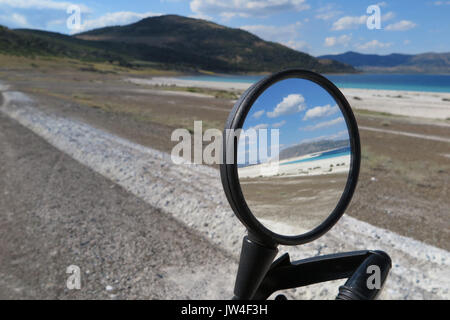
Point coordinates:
[(40, 43), (222, 48)]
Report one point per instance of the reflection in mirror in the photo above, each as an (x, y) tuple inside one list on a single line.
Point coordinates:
[(293, 156)]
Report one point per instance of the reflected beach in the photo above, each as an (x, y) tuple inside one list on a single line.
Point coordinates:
[(295, 194)]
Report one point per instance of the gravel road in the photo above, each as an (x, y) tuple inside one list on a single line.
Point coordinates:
[(56, 212), (172, 196)]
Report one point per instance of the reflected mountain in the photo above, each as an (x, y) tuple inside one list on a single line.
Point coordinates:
[(312, 147)]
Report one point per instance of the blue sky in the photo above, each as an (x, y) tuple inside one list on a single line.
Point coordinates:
[(301, 110), (316, 27)]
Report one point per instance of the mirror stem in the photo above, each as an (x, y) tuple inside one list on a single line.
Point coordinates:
[(254, 263)]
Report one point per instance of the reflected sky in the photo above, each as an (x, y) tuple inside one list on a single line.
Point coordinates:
[(303, 112)]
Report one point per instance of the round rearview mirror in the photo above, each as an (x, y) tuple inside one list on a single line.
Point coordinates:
[(294, 148)]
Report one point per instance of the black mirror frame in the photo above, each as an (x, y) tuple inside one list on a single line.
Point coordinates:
[(229, 173)]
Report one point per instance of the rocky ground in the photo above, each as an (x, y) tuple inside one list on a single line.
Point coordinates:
[(56, 212)]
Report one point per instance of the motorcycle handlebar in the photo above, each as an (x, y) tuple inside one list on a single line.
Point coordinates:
[(368, 280)]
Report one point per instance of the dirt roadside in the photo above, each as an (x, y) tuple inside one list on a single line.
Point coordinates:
[(55, 212)]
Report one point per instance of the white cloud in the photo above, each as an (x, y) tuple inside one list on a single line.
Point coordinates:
[(56, 22), (245, 8), (330, 41), (327, 12), (291, 104), (297, 45), (42, 4), (374, 44), (268, 32), (323, 124), (201, 16), (342, 40), (15, 20), (388, 16), (286, 35), (258, 114), (114, 19), (339, 135), (319, 112), (279, 124), (259, 126), (326, 16), (403, 25), (229, 15), (349, 22), (352, 22), (442, 3)]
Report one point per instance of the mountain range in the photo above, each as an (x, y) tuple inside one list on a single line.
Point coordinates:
[(188, 44), (423, 63), (169, 41), (311, 147)]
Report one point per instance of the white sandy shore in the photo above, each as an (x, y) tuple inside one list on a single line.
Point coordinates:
[(307, 168), (431, 105)]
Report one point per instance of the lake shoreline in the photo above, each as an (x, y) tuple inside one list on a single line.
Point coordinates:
[(419, 104), (377, 81)]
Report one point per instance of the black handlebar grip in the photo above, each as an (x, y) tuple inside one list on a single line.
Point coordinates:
[(368, 279)]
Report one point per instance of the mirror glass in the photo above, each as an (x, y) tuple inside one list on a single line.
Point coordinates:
[(293, 156)]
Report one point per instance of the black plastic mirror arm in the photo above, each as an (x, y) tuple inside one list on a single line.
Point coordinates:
[(284, 275), (255, 261)]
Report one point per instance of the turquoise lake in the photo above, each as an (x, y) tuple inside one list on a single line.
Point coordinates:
[(325, 155), (407, 82)]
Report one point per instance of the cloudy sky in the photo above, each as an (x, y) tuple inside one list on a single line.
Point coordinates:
[(316, 27), (301, 110)]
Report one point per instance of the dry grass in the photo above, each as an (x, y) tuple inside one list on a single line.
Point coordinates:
[(56, 65), (135, 111), (219, 94)]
